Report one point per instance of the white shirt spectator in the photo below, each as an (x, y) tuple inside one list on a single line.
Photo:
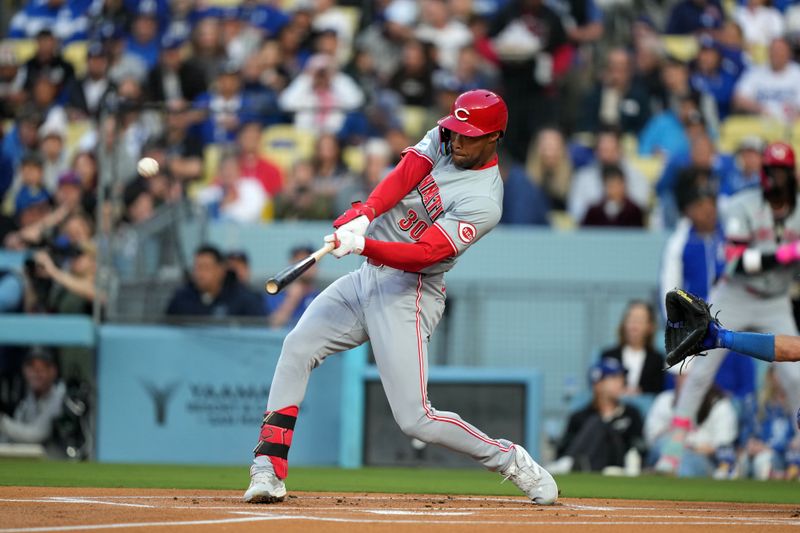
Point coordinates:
[(448, 41), (633, 361), (587, 189), (718, 429), (248, 205), (760, 24), (778, 92), (321, 106)]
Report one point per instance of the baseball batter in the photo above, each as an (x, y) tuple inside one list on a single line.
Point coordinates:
[(762, 229), (444, 195)]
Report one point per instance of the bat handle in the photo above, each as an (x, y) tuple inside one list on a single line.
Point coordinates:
[(322, 252)]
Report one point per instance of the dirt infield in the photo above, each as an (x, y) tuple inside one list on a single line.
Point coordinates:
[(29, 509)]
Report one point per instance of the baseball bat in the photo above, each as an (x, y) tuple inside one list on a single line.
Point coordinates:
[(275, 284)]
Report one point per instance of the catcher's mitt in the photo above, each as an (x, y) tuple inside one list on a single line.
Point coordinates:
[(688, 317)]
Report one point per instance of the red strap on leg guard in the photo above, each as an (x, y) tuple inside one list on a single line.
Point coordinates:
[(276, 438)]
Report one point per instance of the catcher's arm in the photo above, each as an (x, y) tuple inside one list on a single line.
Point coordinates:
[(787, 348)]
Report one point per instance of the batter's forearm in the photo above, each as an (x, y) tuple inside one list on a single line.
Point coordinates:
[(399, 182), (787, 348), (411, 257)]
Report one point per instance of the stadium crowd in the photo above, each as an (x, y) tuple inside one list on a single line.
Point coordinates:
[(627, 113)]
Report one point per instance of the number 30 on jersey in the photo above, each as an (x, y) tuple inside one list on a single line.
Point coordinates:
[(413, 225)]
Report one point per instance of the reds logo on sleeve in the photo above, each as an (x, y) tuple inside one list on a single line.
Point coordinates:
[(466, 232)]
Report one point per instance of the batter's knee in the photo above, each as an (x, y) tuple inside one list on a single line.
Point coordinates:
[(416, 426), (298, 350)]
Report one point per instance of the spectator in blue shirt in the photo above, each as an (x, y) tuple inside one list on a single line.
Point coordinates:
[(691, 16), (143, 41), (225, 107), (709, 76), (286, 307), (266, 17), (65, 18)]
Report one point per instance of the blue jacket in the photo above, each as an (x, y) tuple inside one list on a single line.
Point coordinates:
[(523, 201), (234, 300), (68, 22)]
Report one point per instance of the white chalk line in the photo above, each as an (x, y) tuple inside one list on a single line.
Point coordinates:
[(67, 499), (136, 524)]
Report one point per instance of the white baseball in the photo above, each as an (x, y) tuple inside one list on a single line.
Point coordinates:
[(147, 167)]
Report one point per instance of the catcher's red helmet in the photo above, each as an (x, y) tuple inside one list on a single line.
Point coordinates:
[(476, 113), (774, 183)]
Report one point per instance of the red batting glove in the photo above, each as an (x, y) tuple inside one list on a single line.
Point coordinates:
[(356, 210)]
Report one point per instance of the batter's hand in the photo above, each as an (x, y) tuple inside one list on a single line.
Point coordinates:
[(357, 225), (356, 211), (346, 242)]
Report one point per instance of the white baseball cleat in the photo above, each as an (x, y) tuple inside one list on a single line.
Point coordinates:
[(265, 486), (531, 478)]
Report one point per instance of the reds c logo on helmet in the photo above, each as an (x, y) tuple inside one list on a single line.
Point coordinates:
[(476, 113), (778, 180)]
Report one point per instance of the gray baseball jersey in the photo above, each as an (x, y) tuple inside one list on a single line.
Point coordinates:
[(398, 311), (749, 219), (464, 204)]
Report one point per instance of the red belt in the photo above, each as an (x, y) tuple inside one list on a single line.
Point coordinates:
[(372, 262)]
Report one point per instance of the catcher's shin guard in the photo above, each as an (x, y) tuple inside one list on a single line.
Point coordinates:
[(276, 437)]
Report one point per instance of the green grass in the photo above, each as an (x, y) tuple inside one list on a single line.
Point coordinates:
[(400, 480)]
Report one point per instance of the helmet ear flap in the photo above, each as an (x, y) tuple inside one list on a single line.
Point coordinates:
[(444, 136)]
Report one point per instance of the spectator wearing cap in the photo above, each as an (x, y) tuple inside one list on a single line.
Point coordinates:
[(617, 99), (31, 188), (84, 97), (615, 209), (285, 308), (223, 107), (47, 62), (413, 78), (771, 90), (213, 291), (321, 96), (266, 17), (744, 169), (70, 191), (708, 76), (760, 22), (253, 165), (600, 434), (716, 426), (66, 19), (174, 79), (143, 41), (694, 16), (32, 422)]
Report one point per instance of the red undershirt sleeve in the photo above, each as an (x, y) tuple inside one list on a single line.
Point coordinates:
[(432, 247), (411, 169)]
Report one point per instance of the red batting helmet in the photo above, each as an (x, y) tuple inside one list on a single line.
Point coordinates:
[(778, 155), (476, 113)]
